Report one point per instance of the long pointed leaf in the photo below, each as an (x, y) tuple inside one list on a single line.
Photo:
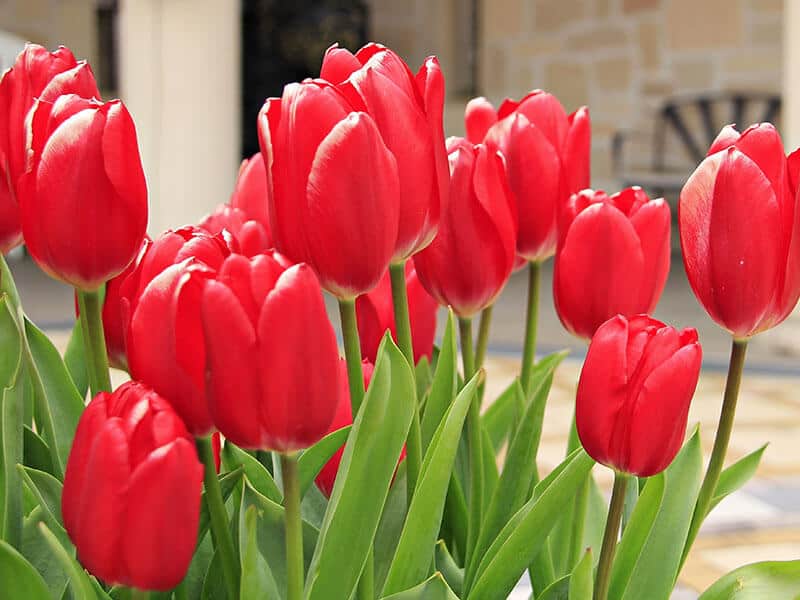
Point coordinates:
[(80, 584), (312, 460), (435, 588), (735, 476), (775, 580), (20, 579), (444, 385)]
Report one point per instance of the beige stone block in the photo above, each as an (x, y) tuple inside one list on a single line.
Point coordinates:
[(766, 6), (613, 73), (602, 169), (537, 46), (693, 25), (767, 33), (656, 87), (30, 12), (603, 8), (492, 71), (599, 38), (752, 61), (635, 6), (693, 74), (550, 15), (569, 81), (649, 36), (502, 19)]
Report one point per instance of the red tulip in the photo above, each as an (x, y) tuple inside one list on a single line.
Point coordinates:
[(634, 393), (740, 233), (344, 417), (334, 191), (131, 498), (36, 73), (408, 112), (83, 198), (165, 341), (251, 193), (469, 262), (251, 236), (547, 153), (479, 116), (613, 258), (271, 354), (375, 314)]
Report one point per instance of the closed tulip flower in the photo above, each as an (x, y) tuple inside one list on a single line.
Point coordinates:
[(37, 73), (408, 111), (634, 393), (83, 169), (131, 498), (334, 190), (165, 342), (613, 258), (271, 355), (547, 155), (740, 234), (251, 236), (470, 260), (251, 193)]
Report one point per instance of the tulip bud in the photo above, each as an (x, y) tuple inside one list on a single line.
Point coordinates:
[(613, 258), (334, 191), (83, 169), (36, 73), (547, 155), (271, 355), (251, 193), (740, 234), (131, 498), (251, 236), (470, 261), (408, 111), (634, 393), (375, 315)]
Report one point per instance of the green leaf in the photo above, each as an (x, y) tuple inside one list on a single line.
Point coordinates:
[(558, 590), (524, 535), (312, 460), (491, 476), (75, 360), (519, 469), (257, 581), (581, 582), (446, 565), (58, 403), (390, 526), (11, 451), (214, 583), (258, 475), (36, 551), (649, 553), (79, 581), (227, 483), (20, 579), (414, 554), (774, 580), (735, 476), (501, 413), (36, 453), (445, 383), (47, 490), (366, 471), (435, 588), (423, 375)]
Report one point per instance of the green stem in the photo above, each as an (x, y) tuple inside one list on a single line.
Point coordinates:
[(352, 353), (397, 275), (94, 341), (724, 429), (294, 527), (531, 321), (473, 443), (610, 536), (137, 594), (483, 336), (219, 517)]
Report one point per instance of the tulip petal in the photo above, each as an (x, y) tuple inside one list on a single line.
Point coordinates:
[(546, 112), (479, 116), (163, 510), (338, 64), (762, 144), (576, 156), (652, 223)]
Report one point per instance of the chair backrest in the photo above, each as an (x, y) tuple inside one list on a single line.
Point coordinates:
[(692, 122)]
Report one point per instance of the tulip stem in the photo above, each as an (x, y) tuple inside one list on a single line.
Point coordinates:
[(219, 517), (531, 323), (397, 275), (94, 341), (610, 536), (294, 528), (352, 353), (483, 336), (473, 443), (137, 594), (724, 429)]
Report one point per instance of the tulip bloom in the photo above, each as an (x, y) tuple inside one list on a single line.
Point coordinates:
[(375, 315), (471, 259), (251, 193), (251, 236), (131, 498), (83, 198), (634, 393), (36, 73), (165, 342), (271, 355), (408, 112), (333, 186), (740, 234), (613, 258), (547, 155)]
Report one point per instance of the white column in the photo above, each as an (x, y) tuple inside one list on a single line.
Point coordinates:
[(180, 77), (791, 74)]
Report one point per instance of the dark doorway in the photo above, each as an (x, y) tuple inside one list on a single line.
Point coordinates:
[(283, 41)]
